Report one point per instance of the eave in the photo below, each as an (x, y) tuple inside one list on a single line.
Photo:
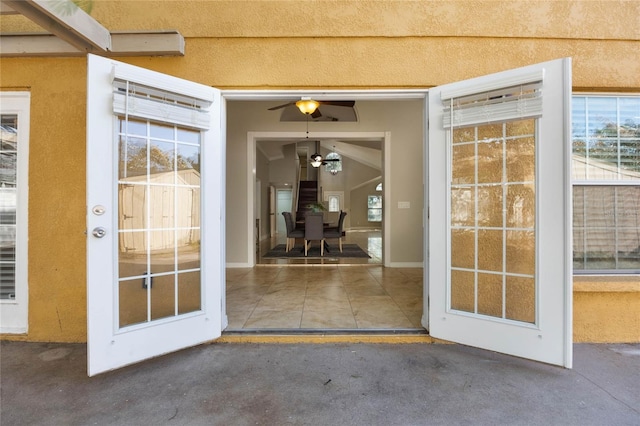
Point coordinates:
[(72, 32), (161, 43)]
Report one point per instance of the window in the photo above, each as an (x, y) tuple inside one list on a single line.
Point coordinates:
[(334, 165), (374, 208), (606, 184), (14, 151), (8, 204), (334, 203)]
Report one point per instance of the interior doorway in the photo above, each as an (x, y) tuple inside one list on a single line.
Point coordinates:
[(283, 204), (333, 293)]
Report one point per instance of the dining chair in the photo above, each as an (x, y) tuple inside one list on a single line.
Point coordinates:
[(292, 232), (337, 232), (313, 230)]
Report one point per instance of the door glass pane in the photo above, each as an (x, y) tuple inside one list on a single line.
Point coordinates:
[(133, 158), (163, 296), (132, 301), (188, 292), (462, 290), (492, 220), (8, 204), (490, 294), (159, 221)]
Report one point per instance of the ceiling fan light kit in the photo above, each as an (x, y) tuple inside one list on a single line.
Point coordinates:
[(332, 162), (316, 160), (307, 105), (311, 108)]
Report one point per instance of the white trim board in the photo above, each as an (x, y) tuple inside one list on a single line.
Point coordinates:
[(252, 137)]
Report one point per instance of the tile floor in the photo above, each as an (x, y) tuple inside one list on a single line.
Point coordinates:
[(325, 294)]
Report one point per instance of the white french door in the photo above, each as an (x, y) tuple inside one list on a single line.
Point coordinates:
[(155, 188), (500, 201)]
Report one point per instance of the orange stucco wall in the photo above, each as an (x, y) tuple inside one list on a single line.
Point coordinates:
[(56, 268), (264, 44), (606, 309)]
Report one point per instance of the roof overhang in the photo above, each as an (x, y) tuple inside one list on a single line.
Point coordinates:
[(73, 32)]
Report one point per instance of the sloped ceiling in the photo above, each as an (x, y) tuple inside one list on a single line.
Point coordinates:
[(368, 152)]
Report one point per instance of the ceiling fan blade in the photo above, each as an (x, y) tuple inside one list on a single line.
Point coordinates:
[(338, 103), (316, 113), (281, 106)]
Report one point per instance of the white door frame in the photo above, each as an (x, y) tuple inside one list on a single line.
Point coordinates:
[(253, 137), (357, 95)]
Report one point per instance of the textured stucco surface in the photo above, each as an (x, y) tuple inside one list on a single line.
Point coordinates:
[(300, 18), (268, 45), (606, 309), (56, 269), (603, 317)]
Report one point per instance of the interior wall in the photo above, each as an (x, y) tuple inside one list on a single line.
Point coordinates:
[(262, 174), (282, 172), (359, 219), (403, 119), (353, 175)]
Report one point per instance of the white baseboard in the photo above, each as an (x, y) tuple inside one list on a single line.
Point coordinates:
[(238, 265), (406, 265), (13, 330)]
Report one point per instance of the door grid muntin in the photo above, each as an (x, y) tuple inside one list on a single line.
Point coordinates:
[(492, 204), (159, 269)]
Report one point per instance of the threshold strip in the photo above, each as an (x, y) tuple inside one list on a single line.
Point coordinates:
[(317, 336), (324, 331)]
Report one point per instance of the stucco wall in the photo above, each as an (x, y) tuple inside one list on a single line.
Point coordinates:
[(56, 269), (272, 44), (364, 44), (606, 309)]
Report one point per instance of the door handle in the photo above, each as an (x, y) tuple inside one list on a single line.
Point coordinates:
[(99, 232)]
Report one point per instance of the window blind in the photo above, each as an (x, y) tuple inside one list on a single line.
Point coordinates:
[(137, 100), (516, 99)]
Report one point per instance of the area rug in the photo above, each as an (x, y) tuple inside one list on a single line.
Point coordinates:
[(348, 250)]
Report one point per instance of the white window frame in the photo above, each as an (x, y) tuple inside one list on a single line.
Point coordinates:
[(581, 183), (14, 313), (328, 195), (374, 208)]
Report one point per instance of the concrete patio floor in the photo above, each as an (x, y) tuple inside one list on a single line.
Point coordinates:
[(320, 384)]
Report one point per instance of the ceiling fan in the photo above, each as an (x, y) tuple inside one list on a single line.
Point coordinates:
[(310, 106), (317, 160)]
